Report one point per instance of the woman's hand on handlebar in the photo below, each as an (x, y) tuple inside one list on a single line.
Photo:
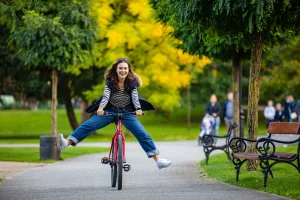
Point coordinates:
[(139, 112), (100, 112)]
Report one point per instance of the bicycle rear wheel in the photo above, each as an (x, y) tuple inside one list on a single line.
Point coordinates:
[(120, 162), (114, 171)]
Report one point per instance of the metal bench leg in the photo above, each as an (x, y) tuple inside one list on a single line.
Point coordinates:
[(228, 154), (238, 163), (270, 170), (237, 169), (207, 152), (266, 171), (271, 173)]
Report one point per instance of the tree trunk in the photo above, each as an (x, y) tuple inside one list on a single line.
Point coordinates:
[(236, 62), (253, 96), (54, 101), (188, 97), (84, 115), (68, 102)]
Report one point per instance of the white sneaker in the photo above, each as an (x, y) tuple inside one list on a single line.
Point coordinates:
[(163, 163), (61, 142)]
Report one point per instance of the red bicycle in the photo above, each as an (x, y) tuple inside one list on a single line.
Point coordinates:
[(116, 157)]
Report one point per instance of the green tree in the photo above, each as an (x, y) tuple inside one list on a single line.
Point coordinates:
[(54, 35), (192, 23), (282, 72), (256, 25)]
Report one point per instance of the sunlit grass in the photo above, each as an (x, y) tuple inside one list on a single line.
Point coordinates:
[(285, 183)]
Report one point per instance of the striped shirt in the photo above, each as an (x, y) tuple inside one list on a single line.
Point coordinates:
[(120, 98)]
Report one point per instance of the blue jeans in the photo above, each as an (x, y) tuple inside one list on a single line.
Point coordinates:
[(129, 121)]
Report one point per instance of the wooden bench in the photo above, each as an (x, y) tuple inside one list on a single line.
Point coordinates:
[(209, 143), (266, 149)]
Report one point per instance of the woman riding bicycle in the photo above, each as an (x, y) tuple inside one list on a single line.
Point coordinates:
[(120, 96)]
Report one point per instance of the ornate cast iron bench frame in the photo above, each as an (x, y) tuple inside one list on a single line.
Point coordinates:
[(266, 149), (209, 146)]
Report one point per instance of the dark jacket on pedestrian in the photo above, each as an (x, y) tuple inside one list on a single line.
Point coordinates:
[(213, 109), (289, 107), (228, 109), (278, 116)]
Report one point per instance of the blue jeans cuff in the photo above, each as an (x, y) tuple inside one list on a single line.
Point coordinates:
[(73, 139), (152, 153)]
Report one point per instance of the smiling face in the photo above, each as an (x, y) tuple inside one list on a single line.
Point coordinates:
[(122, 70)]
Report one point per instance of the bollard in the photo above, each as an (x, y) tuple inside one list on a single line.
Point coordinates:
[(48, 149)]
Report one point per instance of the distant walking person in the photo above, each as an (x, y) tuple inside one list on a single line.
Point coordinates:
[(269, 113), (213, 108), (289, 108), (228, 110), (278, 113)]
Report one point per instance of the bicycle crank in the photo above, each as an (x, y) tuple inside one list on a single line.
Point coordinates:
[(126, 167)]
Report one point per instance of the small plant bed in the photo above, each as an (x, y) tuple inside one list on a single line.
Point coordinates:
[(32, 154), (285, 183)]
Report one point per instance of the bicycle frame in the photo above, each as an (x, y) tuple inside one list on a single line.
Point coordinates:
[(114, 143)]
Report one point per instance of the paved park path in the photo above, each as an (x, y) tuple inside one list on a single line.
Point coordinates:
[(85, 178)]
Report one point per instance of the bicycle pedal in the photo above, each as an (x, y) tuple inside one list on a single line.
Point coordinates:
[(105, 160), (127, 168)]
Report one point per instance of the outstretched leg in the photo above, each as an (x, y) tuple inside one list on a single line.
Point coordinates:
[(84, 130), (137, 129)]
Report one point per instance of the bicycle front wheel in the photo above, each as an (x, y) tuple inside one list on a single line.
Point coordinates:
[(113, 166), (120, 162)]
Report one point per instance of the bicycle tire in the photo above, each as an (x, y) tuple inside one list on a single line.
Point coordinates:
[(120, 162), (114, 171)]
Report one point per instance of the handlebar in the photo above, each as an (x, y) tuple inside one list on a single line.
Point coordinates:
[(120, 114)]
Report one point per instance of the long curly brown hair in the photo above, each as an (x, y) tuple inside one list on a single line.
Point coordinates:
[(112, 76)]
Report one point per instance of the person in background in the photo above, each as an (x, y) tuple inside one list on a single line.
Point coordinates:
[(298, 109), (278, 113), (213, 108), (289, 108), (269, 113), (228, 110)]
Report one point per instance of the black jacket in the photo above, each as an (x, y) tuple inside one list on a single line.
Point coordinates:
[(145, 105), (213, 109)]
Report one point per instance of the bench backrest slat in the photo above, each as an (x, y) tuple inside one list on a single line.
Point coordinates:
[(284, 128)]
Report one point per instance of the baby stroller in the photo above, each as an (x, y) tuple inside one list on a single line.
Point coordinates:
[(207, 127)]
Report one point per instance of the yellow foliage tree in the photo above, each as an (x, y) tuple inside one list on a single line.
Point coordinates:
[(127, 29)]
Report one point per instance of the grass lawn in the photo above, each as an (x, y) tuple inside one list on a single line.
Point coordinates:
[(25, 126), (286, 180), (28, 154)]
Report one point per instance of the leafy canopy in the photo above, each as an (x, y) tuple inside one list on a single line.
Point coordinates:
[(54, 34), (128, 29)]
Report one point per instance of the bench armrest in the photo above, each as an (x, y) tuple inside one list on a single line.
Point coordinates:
[(266, 146), (239, 144), (208, 139)]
